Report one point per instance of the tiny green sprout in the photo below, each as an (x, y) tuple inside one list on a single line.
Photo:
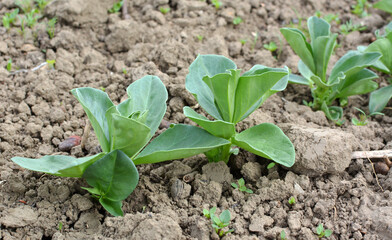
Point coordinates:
[(32, 17), (209, 213), (22, 25), (292, 200), (200, 38), (51, 63), (9, 65), (349, 27), (255, 38), (42, 4), (237, 20), (362, 121), (25, 5), (143, 209), (116, 7), (271, 165), (219, 223), (50, 28), (164, 10), (9, 18), (243, 41), (241, 186), (103, 89), (271, 46), (125, 72), (216, 3), (60, 226), (360, 9), (321, 232), (283, 235)]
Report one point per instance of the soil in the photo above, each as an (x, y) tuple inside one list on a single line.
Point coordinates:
[(92, 48)]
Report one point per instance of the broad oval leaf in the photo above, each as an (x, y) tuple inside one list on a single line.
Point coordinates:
[(323, 48), (148, 94), (318, 27), (385, 5), (114, 176), (95, 103), (180, 141), (206, 65), (113, 207), (63, 166), (383, 46), (358, 83), (379, 99), (268, 141), (217, 128)]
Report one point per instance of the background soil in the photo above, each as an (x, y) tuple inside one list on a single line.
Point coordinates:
[(92, 48)]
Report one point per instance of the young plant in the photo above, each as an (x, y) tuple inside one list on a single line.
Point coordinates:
[(209, 213), (283, 235), (200, 38), (380, 98), (271, 165), (243, 41), (50, 28), (292, 200), (255, 38), (362, 121), (271, 46), (221, 222), (25, 5), (360, 9), (9, 65), (42, 4), (164, 10), (51, 63), (229, 98), (348, 77), (321, 232), (241, 186), (349, 27), (329, 18), (123, 131), (9, 18), (237, 20), (216, 3), (116, 7), (32, 17), (385, 5)]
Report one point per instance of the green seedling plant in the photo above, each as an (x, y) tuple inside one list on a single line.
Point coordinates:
[(9, 65), (209, 213), (329, 18), (200, 38), (60, 226), (51, 63), (116, 7), (241, 186), (237, 20), (349, 27), (348, 76), (379, 99), (123, 132), (292, 200), (50, 28), (283, 235), (32, 17), (271, 165), (272, 47), (243, 41), (221, 222), (217, 4), (321, 232), (42, 4), (385, 5), (9, 18), (363, 118), (25, 5), (360, 9), (164, 10), (229, 97)]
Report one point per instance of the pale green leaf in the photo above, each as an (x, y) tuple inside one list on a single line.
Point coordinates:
[(379, 99)]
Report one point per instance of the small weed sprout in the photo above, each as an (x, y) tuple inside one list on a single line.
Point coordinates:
[(237, 20), (50, 28), (125, 72), (255, 38), (9, 18), (32, 17), (243, 41), (271, 165), (164, 10), (283, 235), (60, 226), (360, 9), (321, 232), (9, 65), (221, 222), (216, 3), (362, 121), (349, 27), (116, 7), (241, 186), (42, 4), (25, 5), (272, 47), (200, 38), (51, 63), (209, 213), (292, 200)]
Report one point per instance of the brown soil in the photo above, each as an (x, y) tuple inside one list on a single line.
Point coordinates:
[(92, 47)]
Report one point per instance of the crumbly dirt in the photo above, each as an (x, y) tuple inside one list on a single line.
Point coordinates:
[(96, 49)]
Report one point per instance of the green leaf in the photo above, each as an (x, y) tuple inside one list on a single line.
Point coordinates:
[(328, 233), (293, 78), (333, 112), (322, 50), (252, 90), (248, 190), (351, 63), (320, 229), (385, 5), (379, 99), (241, 182), (225, 216), (268, 141), (63, 166), (113, 207), (114, 176), (128, 135), (318, 27), (301, 47), (95, 103), (206, 65), (383, 46), (358, 83), (180, 141), (234, 185), (217, 128), (148, 94)]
